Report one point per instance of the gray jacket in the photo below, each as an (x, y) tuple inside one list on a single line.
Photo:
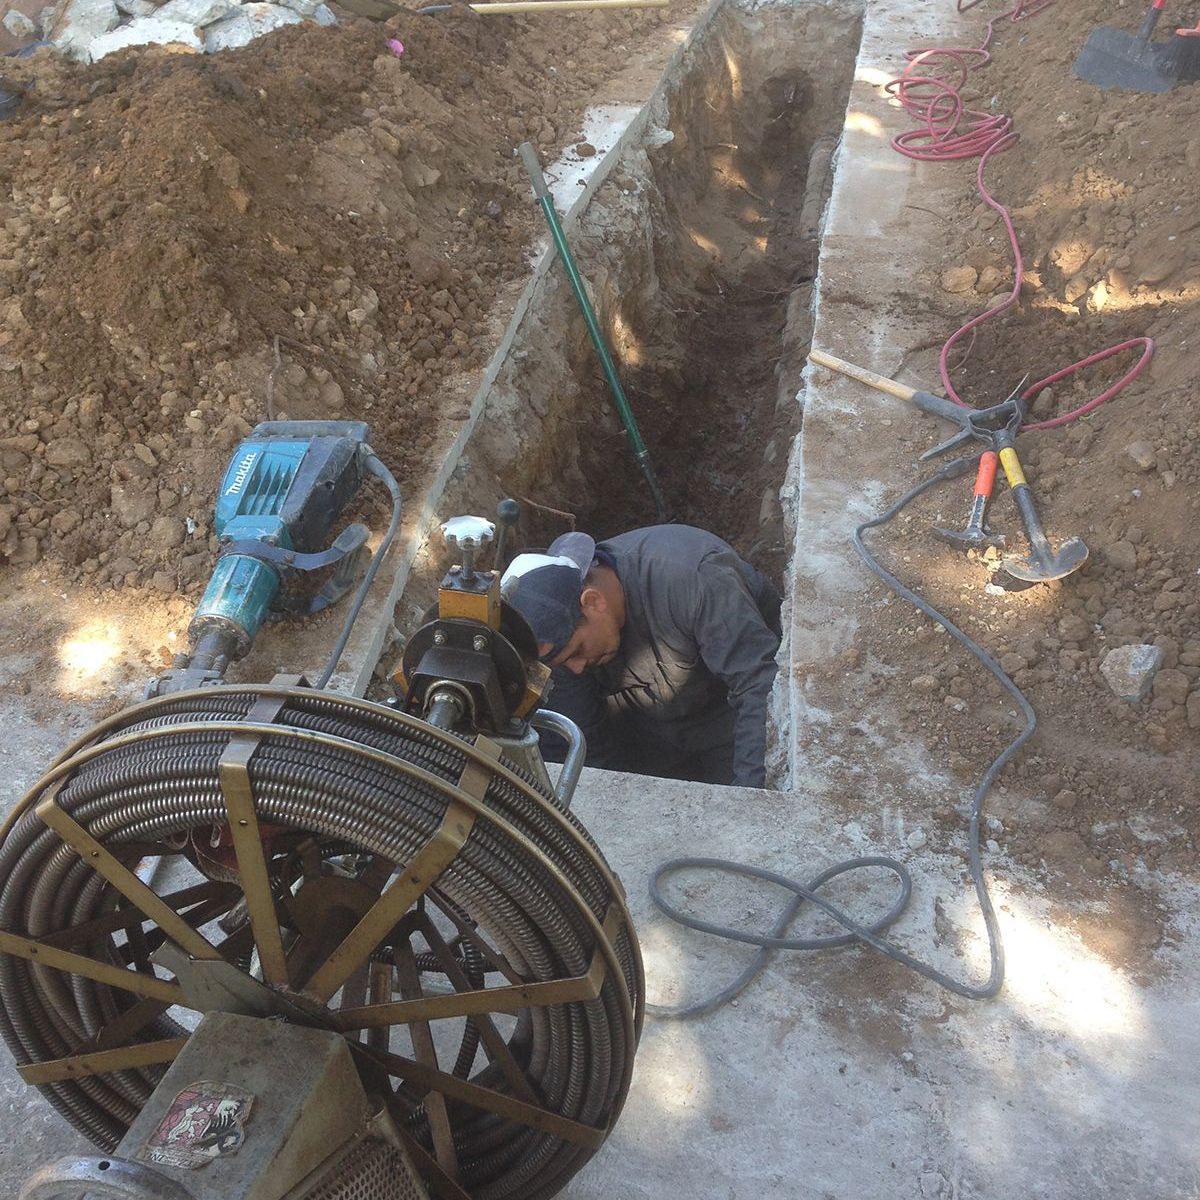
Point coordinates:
[(697, 658)]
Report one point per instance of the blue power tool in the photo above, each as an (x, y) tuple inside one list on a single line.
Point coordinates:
[(283, 492)]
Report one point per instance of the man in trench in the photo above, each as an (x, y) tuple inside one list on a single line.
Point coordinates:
[(663, 644)]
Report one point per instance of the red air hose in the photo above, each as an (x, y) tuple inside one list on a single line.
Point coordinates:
[(930, 91)]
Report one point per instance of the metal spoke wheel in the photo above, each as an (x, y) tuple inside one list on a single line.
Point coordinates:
[(332, 863)]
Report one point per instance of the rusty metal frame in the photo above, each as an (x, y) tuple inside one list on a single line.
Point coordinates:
[(88, 747), (123, 918), (90, 968), (440, 1129), (419, 874), (233, 770), (509, 999), (124, 880), (488, 1100), (494, 1044), (101, 1062)]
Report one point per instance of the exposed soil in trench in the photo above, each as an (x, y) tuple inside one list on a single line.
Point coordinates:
[(1102, 188), (710, 316)]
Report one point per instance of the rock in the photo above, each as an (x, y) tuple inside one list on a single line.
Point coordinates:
[(145, 31), (1193, 710), (27, 552), (1142, 454), (64, 522), (68, 452), (19, 25), (1171, 685), (138, 8), (1074, 629), (144, 454), (916, 839), (1012, 663), (166, 533), (1043, 403), (196, 12), (1122, 555), (79, 22), (324, 15), (305, 8), (923, 684), (959, 279), (585, 150), (1130, 670), (1065, 799), (246, 23), (131, 506)]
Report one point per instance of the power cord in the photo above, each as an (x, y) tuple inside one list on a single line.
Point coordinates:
[(375, 467), (855, 932)]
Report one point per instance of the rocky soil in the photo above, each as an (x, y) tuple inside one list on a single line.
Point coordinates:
[(167, 221), (1102, 188)]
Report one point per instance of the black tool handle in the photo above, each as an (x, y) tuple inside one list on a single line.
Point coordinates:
[(1151, 20), (508, 513), (939, 406)]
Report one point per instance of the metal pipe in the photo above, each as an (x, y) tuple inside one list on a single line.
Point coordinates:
[(572, 768), (534, 169)]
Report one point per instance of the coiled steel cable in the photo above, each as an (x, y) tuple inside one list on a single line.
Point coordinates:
[(158, 780)]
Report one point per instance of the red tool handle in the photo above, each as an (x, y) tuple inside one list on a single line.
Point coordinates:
[(985, 477)]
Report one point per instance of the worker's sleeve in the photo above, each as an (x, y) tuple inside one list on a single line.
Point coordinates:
[(580, 698), (739, 649)]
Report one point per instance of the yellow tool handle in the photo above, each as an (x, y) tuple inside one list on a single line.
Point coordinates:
[(1012, 467), (881, 383)]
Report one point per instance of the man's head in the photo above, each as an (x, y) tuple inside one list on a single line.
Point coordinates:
[(574, 603)]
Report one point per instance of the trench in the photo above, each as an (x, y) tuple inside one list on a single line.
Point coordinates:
[(701, 250)]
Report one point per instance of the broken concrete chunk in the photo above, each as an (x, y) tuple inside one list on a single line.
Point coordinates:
[(196, 12), (80, 22), (246, 23), (19, 25), (1130, 670), (306, 8), (146, 31), (323, 15), (137, 8)]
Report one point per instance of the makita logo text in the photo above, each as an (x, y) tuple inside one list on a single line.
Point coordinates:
[(239, 476)]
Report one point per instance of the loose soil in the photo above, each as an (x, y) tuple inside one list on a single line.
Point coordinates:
[(165, 218), (1102, 188)]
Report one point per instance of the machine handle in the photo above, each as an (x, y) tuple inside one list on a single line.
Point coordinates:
[(572, 768), (76, 1176)]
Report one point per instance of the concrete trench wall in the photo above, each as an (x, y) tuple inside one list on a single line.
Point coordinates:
[(676, 237)]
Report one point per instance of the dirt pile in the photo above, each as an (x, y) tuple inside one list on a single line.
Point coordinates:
[(164, 218), (1102, 188)]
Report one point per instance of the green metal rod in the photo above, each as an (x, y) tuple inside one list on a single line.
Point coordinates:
[(534, 169)]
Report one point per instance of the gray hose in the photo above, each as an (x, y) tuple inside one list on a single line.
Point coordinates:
[(578, 1056), (869, 935)]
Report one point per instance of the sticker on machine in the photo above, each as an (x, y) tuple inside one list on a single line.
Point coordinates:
[(205, 1121)]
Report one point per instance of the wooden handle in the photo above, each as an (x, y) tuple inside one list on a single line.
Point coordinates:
[(879, 382), (536, 6)]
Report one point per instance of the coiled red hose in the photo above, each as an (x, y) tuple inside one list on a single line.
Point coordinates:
[(930, 90)]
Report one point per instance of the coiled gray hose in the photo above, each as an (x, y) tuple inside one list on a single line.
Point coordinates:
[(578, 1056)]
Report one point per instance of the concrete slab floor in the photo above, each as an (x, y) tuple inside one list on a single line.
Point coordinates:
[(839, 1074)]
